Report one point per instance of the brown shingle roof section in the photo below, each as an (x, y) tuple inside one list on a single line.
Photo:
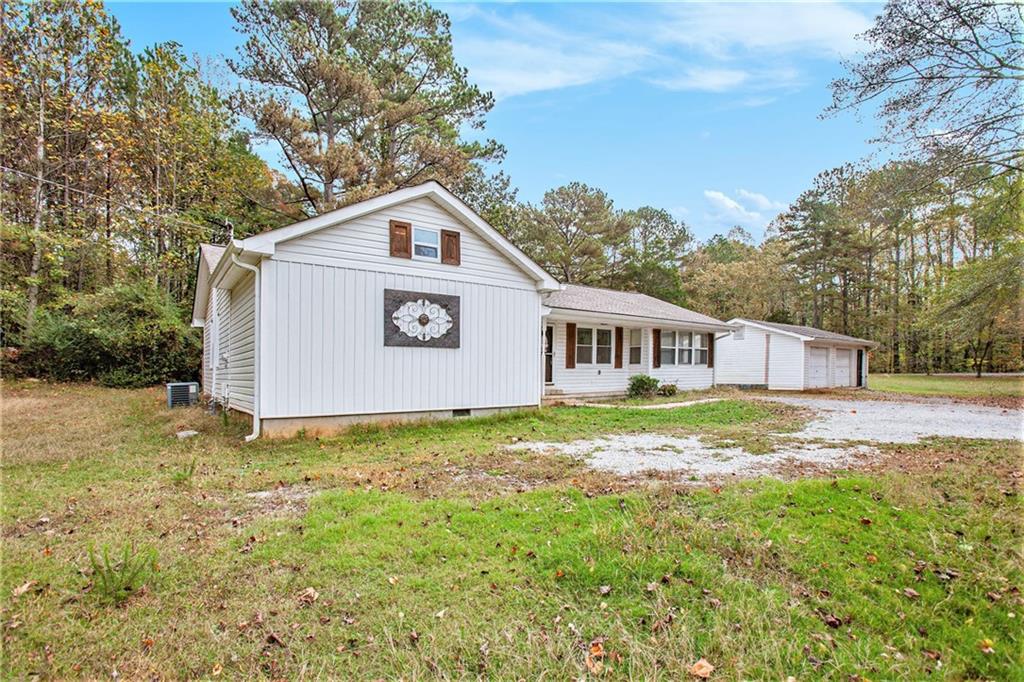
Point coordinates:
[(594, 300), (812, 332), (211, 255)]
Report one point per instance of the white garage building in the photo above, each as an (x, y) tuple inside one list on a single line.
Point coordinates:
[(789, 357)]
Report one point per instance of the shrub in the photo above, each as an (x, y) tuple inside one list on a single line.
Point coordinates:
[(667, 389), (642, 386), (122, 336), (115, 581)]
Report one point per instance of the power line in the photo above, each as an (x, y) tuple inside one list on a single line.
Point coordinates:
[(126, 207)]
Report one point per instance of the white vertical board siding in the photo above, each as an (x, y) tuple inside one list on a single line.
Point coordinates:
[(221, 343), (740, 361), (242, 345), (786, 363), (364, 244), (322, 342)]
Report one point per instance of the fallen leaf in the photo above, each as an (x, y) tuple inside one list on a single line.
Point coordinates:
[(605, 589), (831, 620), (22, 589), (702, 669), (217, 669), (871, 559), (987, 646), (308, 596), (651, 587), (934, 655), (865, 521), (910, 593)]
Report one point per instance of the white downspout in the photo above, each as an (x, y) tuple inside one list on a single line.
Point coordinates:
[(256, 350)]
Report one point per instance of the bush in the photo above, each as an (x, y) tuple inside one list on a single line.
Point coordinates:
[(642, 386), (667, 389), (123, 336)]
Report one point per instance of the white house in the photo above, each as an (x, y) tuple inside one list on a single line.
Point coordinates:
[(790, 357), (408, 305), (596, 339)]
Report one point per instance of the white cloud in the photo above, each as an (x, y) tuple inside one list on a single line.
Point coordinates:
[(520, 54), (722, 28), (760, 201), (747, 48), (731, 210), (709, 80)]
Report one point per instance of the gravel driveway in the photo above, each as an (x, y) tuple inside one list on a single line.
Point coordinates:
[(884, 421)]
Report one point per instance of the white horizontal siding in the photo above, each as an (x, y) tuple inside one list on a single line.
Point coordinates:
[(593, 378), (209, 331), (740, 361), (242, 345), (364, 244), (786, 360), (323, 353), (598, 379), (221, 343)]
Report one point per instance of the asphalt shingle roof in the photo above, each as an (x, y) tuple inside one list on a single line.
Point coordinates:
[(211, 255), (812, 332), (595, 300)]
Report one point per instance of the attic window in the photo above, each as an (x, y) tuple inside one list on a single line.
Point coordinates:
[(426, 244)]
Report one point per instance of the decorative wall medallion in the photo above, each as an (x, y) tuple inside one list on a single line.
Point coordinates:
[(420, 319)]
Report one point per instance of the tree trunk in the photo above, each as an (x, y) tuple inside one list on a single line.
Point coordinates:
[(37, 218)]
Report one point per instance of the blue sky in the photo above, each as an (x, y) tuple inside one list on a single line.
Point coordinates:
[(709, 110)]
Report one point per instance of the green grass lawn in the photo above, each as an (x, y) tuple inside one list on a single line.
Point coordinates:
[(965, 386), (429, 551)]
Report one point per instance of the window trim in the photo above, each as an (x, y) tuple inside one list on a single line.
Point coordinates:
[(436, 247), (593, 345), (700, 345)]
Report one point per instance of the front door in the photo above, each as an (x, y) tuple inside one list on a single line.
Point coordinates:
[(549, 353)]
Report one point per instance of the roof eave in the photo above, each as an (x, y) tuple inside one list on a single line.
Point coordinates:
[(559, 312)]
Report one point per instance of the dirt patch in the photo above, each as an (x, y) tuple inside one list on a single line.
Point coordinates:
[(689, 456), (289, 500)]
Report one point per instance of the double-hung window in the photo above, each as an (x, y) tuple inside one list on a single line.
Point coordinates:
[(700, 349), (426, 244), (677, 348), (668, 348), (593, 346), (635, 347), (685, 348)]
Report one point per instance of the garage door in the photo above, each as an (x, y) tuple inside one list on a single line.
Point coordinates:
[(817, 376), (843, 373)]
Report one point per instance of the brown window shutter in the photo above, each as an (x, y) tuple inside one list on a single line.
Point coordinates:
[(618, 348), (656, 348), (451, 250), (401, 239), (711, 350), (570, 345)]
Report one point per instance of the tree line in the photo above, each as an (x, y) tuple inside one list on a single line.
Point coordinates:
[(117, 163)]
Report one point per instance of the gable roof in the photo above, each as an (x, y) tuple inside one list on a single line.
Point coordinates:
[(265, 243), (806, 333), (626, 303), (210, 256)]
